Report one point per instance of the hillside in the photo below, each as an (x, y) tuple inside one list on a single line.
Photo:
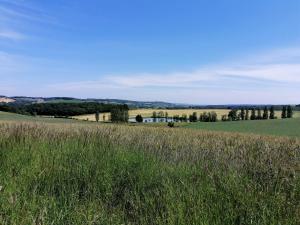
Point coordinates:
[(115, 174), (132, 104)]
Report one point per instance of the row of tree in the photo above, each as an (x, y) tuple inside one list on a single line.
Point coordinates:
[(204, 117), (257, 114), (233, 115)]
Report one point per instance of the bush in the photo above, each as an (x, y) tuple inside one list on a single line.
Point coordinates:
[(171, 124), (139, 118)]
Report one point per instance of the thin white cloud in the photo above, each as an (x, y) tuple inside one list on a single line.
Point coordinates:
[(16, 16), (241, 81), (233, 82), (12, 35)]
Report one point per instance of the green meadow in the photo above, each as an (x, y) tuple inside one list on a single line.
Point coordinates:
[(279, 127)]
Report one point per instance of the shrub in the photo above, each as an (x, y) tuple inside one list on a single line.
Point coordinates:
[(171, 124), (139, 118)]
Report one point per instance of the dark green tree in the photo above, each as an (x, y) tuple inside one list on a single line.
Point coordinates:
[(283, 113), (166, 115), (119, 115), (193, 117), (97, 116), (272, 113), (154, 114), (139, 118), (266, 114), (289, 112), (253, 115), (224, 118), (232, 115), (259, 116), (242, 114)]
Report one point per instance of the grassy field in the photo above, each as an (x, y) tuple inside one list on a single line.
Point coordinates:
[(54, 173), (13, 117), (279, 127)]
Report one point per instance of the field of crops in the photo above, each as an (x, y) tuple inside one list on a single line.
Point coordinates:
[(54, 173), (171, 112), (149, 112)]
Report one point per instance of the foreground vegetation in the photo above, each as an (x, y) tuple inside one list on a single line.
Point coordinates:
[(114, 174)]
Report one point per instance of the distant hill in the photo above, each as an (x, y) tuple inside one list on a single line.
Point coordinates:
[(20, 100), (4, 99), (131, 104)]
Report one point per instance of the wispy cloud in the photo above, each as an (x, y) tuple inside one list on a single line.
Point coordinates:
[(234, 81), (16, 16), (260, 80), (257, 72), (12, 35)]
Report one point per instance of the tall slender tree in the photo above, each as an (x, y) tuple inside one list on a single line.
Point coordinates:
[(266, 113), (166, 115), (283, 113), (97, 116), (272, 113), (253, 116), (289, 112), (259, 117), (242, 114), (247, 114)]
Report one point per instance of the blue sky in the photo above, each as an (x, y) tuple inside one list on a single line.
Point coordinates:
[(191, 51)]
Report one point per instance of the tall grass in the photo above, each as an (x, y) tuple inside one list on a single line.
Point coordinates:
[(73, 174)]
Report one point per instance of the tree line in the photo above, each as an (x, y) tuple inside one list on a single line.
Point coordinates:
[(64, 109), (203, 117), (233, 115), (257, 113)]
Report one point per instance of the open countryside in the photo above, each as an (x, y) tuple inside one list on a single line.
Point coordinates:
[(91, 165), (156, 112)]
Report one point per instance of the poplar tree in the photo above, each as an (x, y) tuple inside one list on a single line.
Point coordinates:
[(259, 117), (243, 114), (266, 114), (283, 113), (272, 113), (289, 112), (97, 116), (253, 116)]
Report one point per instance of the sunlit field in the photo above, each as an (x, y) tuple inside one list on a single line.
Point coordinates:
[(89, 173), (149, 112), (171, 113)]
